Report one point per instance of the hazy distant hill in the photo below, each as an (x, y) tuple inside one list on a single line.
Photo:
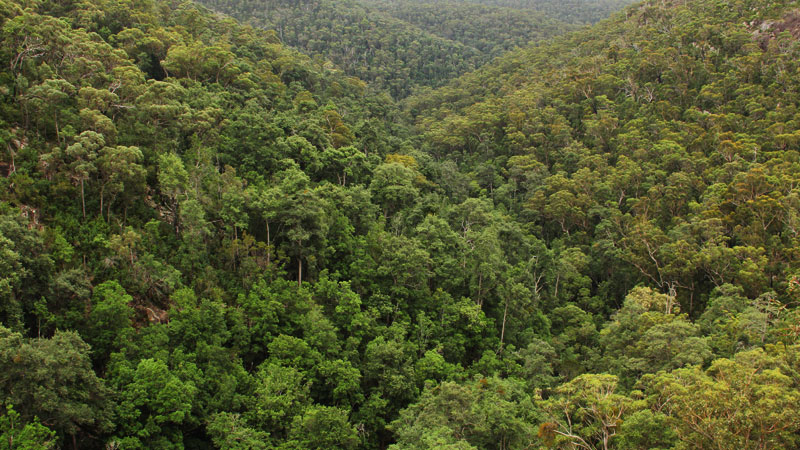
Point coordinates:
[(490, 29), (387, 51), (568, 11)]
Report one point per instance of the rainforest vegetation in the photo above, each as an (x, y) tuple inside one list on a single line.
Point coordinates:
[(222, 236), (395, 48), (569, 11)]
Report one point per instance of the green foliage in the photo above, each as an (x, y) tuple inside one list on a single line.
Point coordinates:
[(208, 240), (585, 412), (647, 335), (489, 413), (25, 265), (16, 434), (153, 403), (744, 402), (646, 429), (322, 427), (468, 23), (110, 319), (281, 393), (229, 433), (53, 379), (384, 48), (573, 11)]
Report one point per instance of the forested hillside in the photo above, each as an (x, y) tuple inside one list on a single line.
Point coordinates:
[(567, 11), (211, 241), (396, 50), (492, 30)]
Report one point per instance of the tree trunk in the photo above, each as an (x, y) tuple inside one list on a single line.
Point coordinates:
[(83, 201), (503, 328), (299, 271), (299, 263), (480, 284), (175, 220), (58, 132), (102, 193), (558, 278)]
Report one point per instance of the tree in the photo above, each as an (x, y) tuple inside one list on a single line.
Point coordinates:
[(388, 369), (12, 271), (574, 340), (153, 403), (281, 393), (49, 97), (746, 402), (119, 170), (109, 320), (393, 187), (230, 432), (585, 413), (26, 268), (537, 361), (299, 212), (444, 246), (340, 382), (735, 323), (53, 379), (347, 163), (15, 434), (648, 334), (173, 181), (320, 428), (81, 157), (646, 429), (489, 413)]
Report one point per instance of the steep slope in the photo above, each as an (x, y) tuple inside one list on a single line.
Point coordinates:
[(388, 52), (634, 137), (367, 44), (576, 12), (491, 29)]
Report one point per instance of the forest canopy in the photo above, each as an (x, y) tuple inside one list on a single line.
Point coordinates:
[(211, 240), (396, 46)]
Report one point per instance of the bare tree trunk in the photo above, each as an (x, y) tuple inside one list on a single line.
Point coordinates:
[(558, 278), (299, 263), (102, 190), (83, 201), (58, 133), (479, 301), (13, 165), (503, 328), (299, 271), (175, 220)]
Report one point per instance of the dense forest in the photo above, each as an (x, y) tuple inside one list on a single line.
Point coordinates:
[(395, 49), (210, 240), (568, 11), (490, 29)]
